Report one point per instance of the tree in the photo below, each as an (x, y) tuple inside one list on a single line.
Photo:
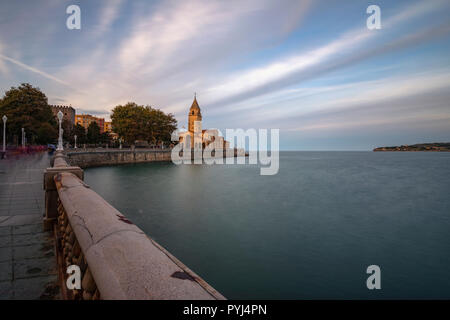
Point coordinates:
[(133, 122), (93, 133), (67, 127), (46, 133), (161, 126), (105, 138), (27, 107), (80, 132), (130, 122)]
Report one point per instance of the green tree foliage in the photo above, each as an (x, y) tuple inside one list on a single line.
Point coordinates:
[(105, 138), (27, 107), (161, 126), (46, 133), (80, 132), (129, 122), (67, 127), (93, 133), (133, 122)]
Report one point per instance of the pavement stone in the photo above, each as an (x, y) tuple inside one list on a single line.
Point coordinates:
[(5, 254), (6, 290), (5, 271), (28, 267), (42, 288)]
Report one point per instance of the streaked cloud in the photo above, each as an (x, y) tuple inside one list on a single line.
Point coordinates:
[(297, 65), (35, 70), (108, 16), (418, 99), (350, 48)]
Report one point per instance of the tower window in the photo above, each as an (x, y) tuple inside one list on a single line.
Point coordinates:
[(192, 112)]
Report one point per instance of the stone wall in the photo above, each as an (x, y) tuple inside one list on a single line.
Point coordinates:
[(116, 259), (68, 113), (98, 158), (114, 157)]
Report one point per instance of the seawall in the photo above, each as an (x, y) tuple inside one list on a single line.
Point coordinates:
[(107, 157), (115, 259), (98, 158)]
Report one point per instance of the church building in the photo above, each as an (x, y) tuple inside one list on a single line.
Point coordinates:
[(199, 138)]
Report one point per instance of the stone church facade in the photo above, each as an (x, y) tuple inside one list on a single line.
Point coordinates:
[(196, 137)]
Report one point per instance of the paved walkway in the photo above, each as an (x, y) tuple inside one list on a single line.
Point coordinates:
[(27, 258)]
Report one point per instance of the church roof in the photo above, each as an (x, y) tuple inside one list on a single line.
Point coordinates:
[(195, 104)]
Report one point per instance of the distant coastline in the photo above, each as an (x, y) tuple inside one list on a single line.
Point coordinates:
[(435, 146)]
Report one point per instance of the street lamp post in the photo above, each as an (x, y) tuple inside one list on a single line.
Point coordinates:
[(60, 140), (120, 142), (4, 134), (75, 136), (23, 137)]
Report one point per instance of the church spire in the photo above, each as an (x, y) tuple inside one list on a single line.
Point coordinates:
[(194, 114), (195, 103)]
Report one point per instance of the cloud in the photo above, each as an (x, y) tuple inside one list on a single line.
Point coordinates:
[(3, 67), (171, 48), (57, 101), (396, 121), (92, 111), (108, 16), (352, 47), (252, 63), (418, 99), (35, 70)]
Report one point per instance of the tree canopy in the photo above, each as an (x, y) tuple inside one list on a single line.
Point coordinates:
[(27, 107), (134, 122), (80, 132), (93, 133), (67, 127)]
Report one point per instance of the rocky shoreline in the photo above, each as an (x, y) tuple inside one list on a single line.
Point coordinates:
[(436, 146)]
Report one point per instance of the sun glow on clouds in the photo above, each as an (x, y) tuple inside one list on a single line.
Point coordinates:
[(348, 43), (160, 53), (332, 106), (385, 101)]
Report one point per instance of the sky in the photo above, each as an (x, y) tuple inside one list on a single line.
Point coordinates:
[(309, 68)]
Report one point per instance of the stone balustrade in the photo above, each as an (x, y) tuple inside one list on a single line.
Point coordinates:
[(117, 259)]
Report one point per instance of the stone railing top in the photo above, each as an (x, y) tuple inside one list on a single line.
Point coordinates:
[(59, 162), (124, 261)]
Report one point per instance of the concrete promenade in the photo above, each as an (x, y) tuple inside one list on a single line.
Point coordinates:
[(27, 258), (117, 260)]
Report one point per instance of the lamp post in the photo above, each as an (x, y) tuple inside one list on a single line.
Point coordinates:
[(4, 133), (75, 137), (23, 137), (60, 140), (120, 141)]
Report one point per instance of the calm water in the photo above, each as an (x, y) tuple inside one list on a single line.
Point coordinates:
[(308, 232)]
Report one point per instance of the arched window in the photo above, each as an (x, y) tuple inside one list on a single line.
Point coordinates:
[(192, 112)]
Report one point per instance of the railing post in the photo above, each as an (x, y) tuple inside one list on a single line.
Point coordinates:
[(51, 194)]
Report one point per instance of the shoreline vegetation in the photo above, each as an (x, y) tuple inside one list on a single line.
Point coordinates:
[(435, 146)]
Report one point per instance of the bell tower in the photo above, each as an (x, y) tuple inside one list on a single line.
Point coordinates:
[(194, 115)]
